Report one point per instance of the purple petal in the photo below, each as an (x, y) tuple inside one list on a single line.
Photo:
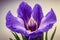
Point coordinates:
[(36, 38), (30, 38), (14, 24), (37, 13), (24, 11), (48, 21), (35, 34)]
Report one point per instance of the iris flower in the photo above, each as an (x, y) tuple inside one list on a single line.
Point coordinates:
[(30, 22)]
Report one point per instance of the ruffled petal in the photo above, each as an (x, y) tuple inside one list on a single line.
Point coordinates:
[(14, 24), (47, 21), (37, 13), (24, 11)]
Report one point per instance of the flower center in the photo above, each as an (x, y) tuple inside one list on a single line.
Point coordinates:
[(32, 25)]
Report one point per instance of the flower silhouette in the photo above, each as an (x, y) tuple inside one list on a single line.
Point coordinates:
[(30, 22)]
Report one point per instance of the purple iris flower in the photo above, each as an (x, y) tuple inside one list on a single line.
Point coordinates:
[(30, 22)]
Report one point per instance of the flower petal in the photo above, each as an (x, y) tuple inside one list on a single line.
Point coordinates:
[(37, 13), (48, 21), (30, 38), (36, 38), (14, 24), (24, 11), (35, 34)]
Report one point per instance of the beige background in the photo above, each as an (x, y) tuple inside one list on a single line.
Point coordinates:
[(46, 5)]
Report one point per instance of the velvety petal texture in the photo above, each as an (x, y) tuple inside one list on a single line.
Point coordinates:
[(48, 21), (14, 24), (24, 11), (37, 13)]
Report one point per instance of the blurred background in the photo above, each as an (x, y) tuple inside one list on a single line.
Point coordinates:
[(12, 5)]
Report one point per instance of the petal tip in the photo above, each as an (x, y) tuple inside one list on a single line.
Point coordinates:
[(23, 4), (54, 14), (9, 13), (37, 5)]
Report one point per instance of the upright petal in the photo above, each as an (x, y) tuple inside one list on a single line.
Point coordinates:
[(14, 24), (24, 11), (48, 21), (37, 13)]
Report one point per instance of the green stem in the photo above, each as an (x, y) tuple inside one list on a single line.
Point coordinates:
[(43, 36), (53, 34), (24, 37), (46, 36)]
